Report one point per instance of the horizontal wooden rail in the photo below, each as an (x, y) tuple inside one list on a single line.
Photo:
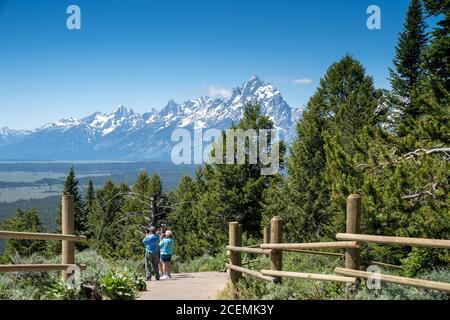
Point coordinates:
[(36, 267), (413, 242), (40, 236), (441, 286), (252, 273), (387, 265), (320, 253), (314, 245), (309, 276), (250, 262), (248, 250)]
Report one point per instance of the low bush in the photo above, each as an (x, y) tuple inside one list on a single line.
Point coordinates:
[(61, 291), (139, 284), (204, 263), (250, 288), (47, 285), (421, 260), (391, 291), (120, 285)]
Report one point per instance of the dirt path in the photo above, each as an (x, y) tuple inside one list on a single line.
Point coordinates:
[(186, 286)]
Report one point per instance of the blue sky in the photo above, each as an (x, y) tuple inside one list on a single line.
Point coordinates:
[(141, 53)]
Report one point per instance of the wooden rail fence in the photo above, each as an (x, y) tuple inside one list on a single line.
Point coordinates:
[(273, 247), (67, 237)]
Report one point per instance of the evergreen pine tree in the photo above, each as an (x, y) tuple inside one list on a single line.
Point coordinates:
[(89, 205), (233, 192), (434, 90), (344, 103), (306, 191), (405, 188), (142, 184), (408, 62), (71, 188), (108, 223), (240, 186), (156, 187), (81, 223), (137, 216), (137, 212), (89, 199), (24, 221), (437, 56), (158, 202), (184, 220)]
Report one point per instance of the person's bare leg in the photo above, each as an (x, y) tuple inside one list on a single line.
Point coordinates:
[(163, 264), (165, 268), (169, 269)]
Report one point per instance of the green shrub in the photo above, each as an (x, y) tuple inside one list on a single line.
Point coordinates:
[(134, 272), (291, 289), (118, 286), (390, 291), (4, 260), (139, 284), (26, 293), (204, 263), (61, 291), (422, 260), (133, 266), (46, 285), (5, 287), (12, 289), (96, 266), (250, 288)]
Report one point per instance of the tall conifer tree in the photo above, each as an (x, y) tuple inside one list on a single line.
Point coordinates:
[(344, 103), (408, 60), (71, 188)]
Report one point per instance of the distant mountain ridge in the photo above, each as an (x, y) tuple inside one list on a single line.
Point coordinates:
[(127, 135)]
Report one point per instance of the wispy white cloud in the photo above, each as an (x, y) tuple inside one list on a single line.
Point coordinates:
[(284, 80), (302, 81), (220, 92)]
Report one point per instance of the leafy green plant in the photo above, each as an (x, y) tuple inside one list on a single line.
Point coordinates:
[(118, 285), (139, 284), (61, 291)]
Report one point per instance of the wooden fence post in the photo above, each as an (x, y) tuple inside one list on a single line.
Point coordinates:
[(276, 229), (266, 235), (353, 219), (241, 232), (235, 238), (68, 227), (353, 226)]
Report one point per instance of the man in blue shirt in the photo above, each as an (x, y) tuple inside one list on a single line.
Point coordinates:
[(151, 242)]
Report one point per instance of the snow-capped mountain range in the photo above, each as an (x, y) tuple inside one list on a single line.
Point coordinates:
[(127, 135)]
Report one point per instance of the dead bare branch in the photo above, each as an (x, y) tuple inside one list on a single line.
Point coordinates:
[(419, 152), (417, 195)]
